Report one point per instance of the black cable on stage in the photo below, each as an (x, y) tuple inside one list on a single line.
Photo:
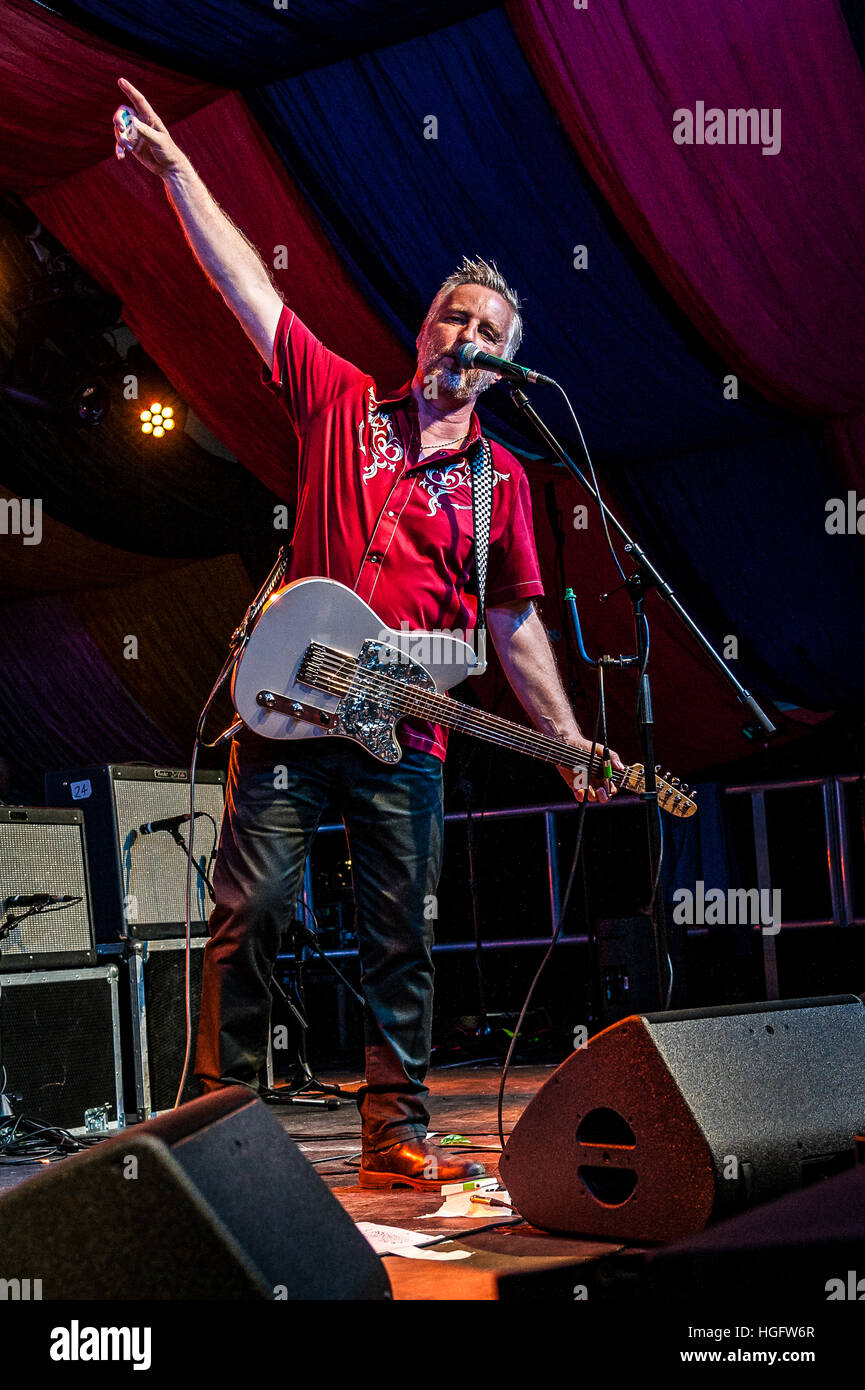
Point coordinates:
[(508, 1221), (24, 1140)]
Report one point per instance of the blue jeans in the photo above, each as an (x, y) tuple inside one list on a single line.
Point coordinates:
[(276, 793)]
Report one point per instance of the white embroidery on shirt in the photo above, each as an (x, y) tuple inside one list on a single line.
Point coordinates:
[(385, 449), (444, 480)]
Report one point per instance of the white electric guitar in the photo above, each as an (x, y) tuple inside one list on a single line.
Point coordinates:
[(319, 662)]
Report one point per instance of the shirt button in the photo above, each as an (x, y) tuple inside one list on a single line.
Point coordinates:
[(375, 558), (391, 513)]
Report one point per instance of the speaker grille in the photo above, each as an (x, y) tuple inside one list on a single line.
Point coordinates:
[(60, 1044), (154, 866), (164, 1000), (39, 857)]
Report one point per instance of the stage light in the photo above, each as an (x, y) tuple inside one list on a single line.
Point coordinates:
[(157, 419)]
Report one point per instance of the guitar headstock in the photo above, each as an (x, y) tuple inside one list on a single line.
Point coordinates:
[(672, 796)]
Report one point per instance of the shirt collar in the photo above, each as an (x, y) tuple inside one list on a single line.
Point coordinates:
[(404, 397)]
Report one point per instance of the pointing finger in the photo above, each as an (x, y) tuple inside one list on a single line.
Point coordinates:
[(140, 102)]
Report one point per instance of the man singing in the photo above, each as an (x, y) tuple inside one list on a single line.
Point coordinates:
[(384, 506)]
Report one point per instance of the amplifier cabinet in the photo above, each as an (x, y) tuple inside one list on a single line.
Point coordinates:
[(43, 851), (60, 1044), (157, 994), (139, 880)]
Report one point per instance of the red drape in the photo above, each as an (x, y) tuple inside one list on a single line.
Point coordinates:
[(765, 252), (58, 90), (117, 222)]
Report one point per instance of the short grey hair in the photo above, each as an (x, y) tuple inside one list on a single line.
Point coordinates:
[(485, 273)]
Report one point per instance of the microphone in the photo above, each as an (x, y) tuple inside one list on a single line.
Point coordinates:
[(167, 823), (470, 355), (38, 900)]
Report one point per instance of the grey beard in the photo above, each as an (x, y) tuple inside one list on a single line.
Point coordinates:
[(465, 384)]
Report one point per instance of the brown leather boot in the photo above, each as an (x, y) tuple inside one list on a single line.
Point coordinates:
[(419, 1164)]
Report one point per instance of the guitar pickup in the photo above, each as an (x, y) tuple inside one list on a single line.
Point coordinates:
[(293, 709)]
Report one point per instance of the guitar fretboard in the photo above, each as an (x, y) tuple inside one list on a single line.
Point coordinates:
[(336, 674)]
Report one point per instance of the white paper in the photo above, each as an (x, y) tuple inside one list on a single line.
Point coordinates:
[(393, 1240)]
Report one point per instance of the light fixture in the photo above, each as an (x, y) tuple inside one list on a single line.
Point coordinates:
[(157, 420)]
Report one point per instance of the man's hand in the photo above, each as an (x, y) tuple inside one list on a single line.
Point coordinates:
[(527, 657), (599, 788), (152, 145)]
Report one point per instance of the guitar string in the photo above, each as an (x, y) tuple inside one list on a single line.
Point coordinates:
[(432, 704), (503, 732)]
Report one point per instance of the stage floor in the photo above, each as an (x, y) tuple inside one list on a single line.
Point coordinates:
[(463, 1101)]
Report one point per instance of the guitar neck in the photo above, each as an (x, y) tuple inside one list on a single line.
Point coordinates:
[(441, 709), (361, 679)]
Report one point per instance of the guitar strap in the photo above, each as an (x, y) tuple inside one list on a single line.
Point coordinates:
[(481, 469)]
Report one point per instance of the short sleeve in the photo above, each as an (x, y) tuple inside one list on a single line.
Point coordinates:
[(304, 374), (513, 569)]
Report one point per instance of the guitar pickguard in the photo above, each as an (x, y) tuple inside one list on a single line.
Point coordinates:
[(369, 717)]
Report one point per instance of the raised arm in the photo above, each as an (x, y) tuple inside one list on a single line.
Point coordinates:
[(223, 252)]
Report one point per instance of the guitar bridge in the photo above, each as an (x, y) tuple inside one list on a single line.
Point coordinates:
[(370, 690), (294, 709)]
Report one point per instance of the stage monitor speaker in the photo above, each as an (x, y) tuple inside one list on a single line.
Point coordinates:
[(139, 881), (665, 1122), (806, 1248), (210, 1201), (803, 1245), (43, 852)]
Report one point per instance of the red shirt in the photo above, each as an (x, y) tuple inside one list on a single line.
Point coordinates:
[(396, 531)]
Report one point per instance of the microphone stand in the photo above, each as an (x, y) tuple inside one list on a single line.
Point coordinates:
[(644, 578), (174, 832), (303, 1080)]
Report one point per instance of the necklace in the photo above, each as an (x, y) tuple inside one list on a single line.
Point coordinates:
[(441, 444)]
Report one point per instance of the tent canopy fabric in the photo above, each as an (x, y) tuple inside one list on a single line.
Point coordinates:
[(701, 303)]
